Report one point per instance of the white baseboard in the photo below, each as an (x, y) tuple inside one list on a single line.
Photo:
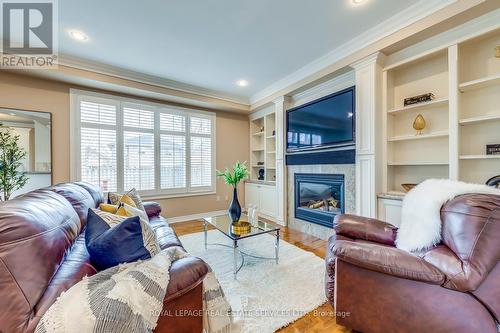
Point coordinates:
[(192, 217)]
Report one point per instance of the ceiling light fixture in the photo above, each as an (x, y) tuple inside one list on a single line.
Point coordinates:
[(357, 2), (78, 35), (242, 83)]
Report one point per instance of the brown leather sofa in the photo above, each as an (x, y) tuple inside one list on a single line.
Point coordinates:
[(43, 253), (453, 287)]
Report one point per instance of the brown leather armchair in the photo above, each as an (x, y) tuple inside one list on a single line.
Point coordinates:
[(43, 253), (453, 287)]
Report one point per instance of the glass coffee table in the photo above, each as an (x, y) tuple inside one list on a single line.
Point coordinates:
[(223, 224)]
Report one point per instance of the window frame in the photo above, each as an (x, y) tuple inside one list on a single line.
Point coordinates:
[(77, 96)]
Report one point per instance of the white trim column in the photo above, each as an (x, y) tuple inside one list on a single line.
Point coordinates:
[(280, 106), (368, 133), (453, 107)]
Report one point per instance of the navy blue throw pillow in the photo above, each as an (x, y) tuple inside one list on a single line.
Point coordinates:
[(109, 246)]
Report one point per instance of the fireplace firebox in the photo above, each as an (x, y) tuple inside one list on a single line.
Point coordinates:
[(319, 197)]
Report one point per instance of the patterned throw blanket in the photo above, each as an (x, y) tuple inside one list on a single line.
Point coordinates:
[(129, 298)]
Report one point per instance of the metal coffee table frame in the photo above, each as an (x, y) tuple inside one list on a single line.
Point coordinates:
[(261, 229)]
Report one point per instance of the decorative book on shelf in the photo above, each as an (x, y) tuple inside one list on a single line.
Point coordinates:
[(419, 99), (493, 149)]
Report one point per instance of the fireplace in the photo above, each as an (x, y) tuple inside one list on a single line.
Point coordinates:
[(319, 197)]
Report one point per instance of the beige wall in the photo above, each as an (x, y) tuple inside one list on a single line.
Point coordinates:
[(23, 92)]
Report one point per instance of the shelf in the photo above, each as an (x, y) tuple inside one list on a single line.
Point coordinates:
[(258, 166), (414, 60), (272, 152), (261, 182), (395, 193), (475, 120), (418, 137), (271, 168), (416, 163), (258, 134), (271, 137), (434, 103), (479, 157), (259, 149), (480, 83)]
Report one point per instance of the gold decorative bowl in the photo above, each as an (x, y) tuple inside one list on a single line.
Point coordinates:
[(241, 227), (408, 187)]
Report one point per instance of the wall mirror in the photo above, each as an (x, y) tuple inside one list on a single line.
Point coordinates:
[(34, 137)]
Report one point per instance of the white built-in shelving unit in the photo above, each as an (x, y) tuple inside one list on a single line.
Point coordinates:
[(411, 158), (462, 119), (478, 107), (263, 152), (263, 147)]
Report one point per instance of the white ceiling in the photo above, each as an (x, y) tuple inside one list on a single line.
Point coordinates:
[(210, 44)]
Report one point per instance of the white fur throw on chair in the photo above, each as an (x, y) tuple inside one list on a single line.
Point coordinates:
[(420, 227)]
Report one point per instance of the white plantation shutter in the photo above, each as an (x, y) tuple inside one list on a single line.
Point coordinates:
[(201, 125), (201, 151), (97, 113), (138, 118), (124, 144), (201, 161), (173, 151), (138, 148), (98, 163), (138, 161), (172, 122), (172, 161)]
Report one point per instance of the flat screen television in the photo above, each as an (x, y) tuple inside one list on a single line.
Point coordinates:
[(324, 123)]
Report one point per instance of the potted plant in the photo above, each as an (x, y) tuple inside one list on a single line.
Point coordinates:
[(240, 172), (11, 155)]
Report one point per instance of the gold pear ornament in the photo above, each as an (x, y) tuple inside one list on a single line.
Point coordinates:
[(419, 124), (497, 51)]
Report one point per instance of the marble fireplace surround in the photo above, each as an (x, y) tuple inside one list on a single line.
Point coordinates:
[(349, 172)]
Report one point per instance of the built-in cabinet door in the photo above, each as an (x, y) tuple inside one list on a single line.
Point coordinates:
[(262, 196), (389, 210), (268, 200), (252, 195)]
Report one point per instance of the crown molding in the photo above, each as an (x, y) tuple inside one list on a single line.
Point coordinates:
[(377, 57), (112, 84), (469, 30), (338, 83), (101, 68), (410, 15)]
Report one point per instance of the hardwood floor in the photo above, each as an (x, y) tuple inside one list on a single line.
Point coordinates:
[(318, 321)]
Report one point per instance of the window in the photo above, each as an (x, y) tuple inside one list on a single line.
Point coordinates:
[(119, 144), (98, 144), (138, 148)]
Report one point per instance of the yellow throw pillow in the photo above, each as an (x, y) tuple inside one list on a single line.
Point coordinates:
[(131, 198), (128, 200), (128, 211), (108, 208), (123, 212)]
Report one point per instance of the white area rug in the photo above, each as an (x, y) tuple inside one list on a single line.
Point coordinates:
[(265, 296)]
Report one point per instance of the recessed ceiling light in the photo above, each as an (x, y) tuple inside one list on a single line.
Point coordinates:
[(78, 35), (357, 2), (242, 83), (12, 114)]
